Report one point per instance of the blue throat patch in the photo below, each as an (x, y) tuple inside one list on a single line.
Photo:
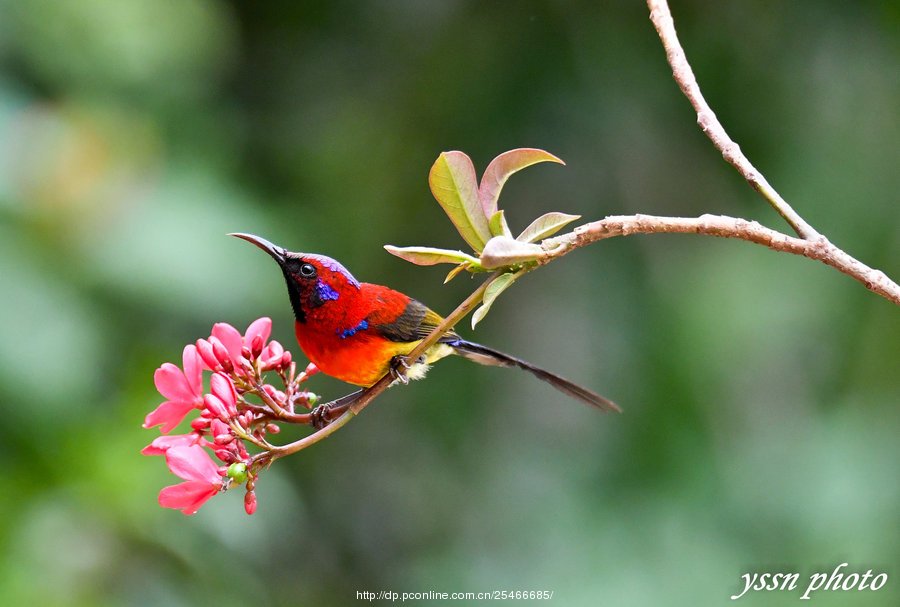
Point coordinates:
[(325, 292), (362, 326)]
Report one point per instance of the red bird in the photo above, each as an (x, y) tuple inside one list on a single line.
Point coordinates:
[(355, 331)]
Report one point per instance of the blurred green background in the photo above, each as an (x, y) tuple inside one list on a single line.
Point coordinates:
[(760, 390)]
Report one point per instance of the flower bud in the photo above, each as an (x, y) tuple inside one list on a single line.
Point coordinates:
[(205, 349), (222, 387), (221, 354), (223, 439), (273, 428), (286, 359), (237, 472), (201, 423), (250, 502), (225, 455), (215, 406), (256, 346), (246, 353)]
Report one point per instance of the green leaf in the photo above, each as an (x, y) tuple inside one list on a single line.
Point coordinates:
[(497, 286), (546, 225), (503, 251), (429, 256), (501, 167), (455, 186), (498, 225)]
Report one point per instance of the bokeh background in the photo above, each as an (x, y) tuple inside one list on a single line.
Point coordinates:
[(760, 390)]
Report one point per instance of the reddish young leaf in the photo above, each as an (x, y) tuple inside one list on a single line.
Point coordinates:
[(503, 251), (429, 256), (546, 225), (499, 170), (455, 186), (498, 224)]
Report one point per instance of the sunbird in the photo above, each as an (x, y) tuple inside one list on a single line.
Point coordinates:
[(357, 331)]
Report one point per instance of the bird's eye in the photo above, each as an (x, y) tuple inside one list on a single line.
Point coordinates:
[(308, 270)]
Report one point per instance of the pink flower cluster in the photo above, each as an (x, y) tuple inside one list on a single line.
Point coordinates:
[(226, 420)]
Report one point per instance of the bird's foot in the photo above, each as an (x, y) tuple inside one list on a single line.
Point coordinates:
[(319, 418), (399, 367)]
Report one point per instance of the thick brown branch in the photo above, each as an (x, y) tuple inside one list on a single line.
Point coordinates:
[(819, 248)]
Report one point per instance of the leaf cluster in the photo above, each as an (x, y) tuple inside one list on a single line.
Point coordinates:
[(473, 209)]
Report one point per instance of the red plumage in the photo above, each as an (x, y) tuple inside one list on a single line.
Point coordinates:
[(353, 331)]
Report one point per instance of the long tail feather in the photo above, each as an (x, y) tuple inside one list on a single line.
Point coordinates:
[(488, 356)]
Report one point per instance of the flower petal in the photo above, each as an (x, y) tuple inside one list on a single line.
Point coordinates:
[(192, 464), (261, 326), (193, 368), (169, 414), (187, 496), (161, 444), (222, 387), (230, 338), (171, 383)]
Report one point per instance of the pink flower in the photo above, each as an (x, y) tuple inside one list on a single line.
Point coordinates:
[(161, 444), (234, 342), (272, 355), (222, 402), (184, 389), (221, 433), (223, 419), (201, 476)]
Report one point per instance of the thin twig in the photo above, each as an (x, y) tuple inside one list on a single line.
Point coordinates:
[(811, 243), (725, 227), (706, 119)]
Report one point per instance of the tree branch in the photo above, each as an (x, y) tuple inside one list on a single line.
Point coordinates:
[(725, 227), (706, 119), (811, 243)]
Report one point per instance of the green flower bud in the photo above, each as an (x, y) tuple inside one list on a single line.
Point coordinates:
[(237, 472)]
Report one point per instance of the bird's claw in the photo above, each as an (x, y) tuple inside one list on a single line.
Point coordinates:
[(399, 366), (318, 417)]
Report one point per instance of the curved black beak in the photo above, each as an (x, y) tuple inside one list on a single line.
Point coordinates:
[(278, 254)]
